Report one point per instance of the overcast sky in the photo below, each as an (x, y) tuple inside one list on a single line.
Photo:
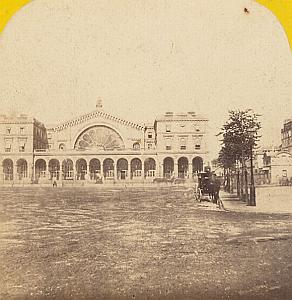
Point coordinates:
[(147, 57)]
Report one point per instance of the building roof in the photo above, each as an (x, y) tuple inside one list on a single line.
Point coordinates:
[(96, 113)]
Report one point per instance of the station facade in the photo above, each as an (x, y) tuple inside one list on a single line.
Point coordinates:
[(99, 145)]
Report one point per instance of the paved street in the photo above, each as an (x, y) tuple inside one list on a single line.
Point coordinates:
[(138, 243)]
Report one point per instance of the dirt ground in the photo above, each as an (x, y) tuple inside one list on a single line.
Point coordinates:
[(138, 243)]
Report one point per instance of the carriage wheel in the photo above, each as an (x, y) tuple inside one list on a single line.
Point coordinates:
[(199, 194)]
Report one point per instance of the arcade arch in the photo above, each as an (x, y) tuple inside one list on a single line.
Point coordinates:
[(136, 167), (183, 166), (7, 169), (54, 169), (197, 164), (168, 167), (94, 168), (108, 168), (40, 168), (81, 169), (122, 168), (68, 169), (21, 169), (150, 167)]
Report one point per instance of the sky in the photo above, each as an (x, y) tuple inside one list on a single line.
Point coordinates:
[(143, 58)]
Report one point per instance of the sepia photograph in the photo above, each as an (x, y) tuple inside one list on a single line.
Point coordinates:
[(145, 149)]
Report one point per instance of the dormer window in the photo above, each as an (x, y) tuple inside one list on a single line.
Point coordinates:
[(136, 146), (62, 147)]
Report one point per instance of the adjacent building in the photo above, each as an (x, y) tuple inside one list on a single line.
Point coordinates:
[(99, 145)]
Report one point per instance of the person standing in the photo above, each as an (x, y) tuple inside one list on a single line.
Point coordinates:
[(217, 184)]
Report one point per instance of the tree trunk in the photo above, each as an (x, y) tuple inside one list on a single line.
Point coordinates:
[(241, 184), (228, 182), (246, 184), (238, 184), (231, 180)]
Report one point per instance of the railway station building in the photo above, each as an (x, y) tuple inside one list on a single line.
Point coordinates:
[(99, 145)]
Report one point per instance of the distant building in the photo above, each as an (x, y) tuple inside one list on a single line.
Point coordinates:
[(279, 166), (286, 136), (100, 145), (272, 165)]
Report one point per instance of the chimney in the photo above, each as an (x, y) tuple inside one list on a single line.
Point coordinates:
[(99, 104)]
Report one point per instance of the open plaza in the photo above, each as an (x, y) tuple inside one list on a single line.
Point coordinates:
[(135, 242)]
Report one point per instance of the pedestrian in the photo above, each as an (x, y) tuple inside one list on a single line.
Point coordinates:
[(196, 186), (54, 180), (211, 188)]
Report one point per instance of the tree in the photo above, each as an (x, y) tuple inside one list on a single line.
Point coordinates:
[(239, 135)]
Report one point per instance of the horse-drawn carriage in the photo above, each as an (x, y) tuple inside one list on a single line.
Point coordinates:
[(203, 186)]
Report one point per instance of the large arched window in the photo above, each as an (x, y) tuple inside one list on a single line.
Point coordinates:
[(99, 137)]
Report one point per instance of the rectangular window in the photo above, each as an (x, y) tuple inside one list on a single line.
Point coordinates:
[(21, 130), (168, 144), (167, 128), (183, 143), (198, 147), (150, 135), (22, 145), (8, 144), (8, 130), (149, 146)]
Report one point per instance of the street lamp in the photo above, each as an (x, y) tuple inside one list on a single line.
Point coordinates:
[(252, 198)]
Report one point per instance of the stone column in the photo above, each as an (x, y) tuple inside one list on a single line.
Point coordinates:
[(143, 175), (175, 170), (101, 168), (115, 171), (190, 171), (15, 175), (1, 172), (87, 166), (75, 169), (160, 169), (129, 170), (31, 171)]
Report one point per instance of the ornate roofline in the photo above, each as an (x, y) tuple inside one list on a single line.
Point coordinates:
[(93, 115)]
